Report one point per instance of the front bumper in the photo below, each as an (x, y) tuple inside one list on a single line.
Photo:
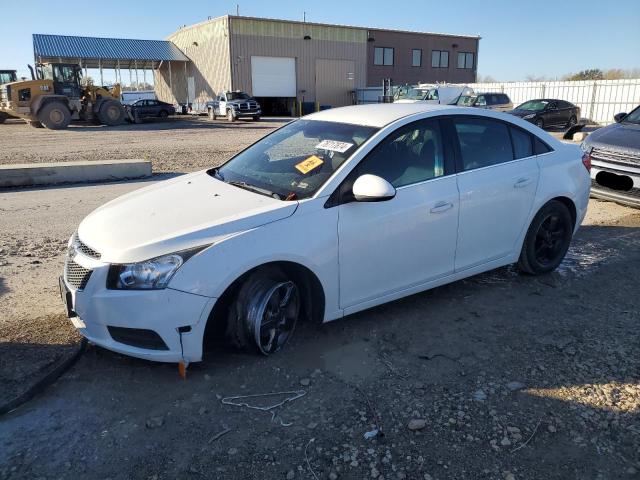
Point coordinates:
[(177, 317), (247, 113), (602, 188)]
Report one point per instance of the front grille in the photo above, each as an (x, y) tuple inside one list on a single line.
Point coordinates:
[(84, 248), (634, 192), (249, 106), (76, 275), (138, 337), (612, 156)]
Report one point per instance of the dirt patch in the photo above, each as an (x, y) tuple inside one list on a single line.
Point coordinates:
[(29, 349), (500, 376), (180, 144)]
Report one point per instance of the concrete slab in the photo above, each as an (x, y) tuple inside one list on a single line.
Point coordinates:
[(30, 174)]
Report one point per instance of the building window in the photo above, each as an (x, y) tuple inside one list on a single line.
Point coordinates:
[(416, 57), (465, 60), (440, 59), (383, 56)]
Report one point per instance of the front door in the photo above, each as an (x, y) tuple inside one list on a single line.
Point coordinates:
[(386, 247), (554, 114), (497, 183)]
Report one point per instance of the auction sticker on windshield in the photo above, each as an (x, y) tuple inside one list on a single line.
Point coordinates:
[(334, 146), (309, 164)]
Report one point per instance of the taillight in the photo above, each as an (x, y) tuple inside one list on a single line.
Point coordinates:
[(586, 161)]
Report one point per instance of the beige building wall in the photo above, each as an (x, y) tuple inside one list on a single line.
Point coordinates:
[(277, 38), (207, 45)]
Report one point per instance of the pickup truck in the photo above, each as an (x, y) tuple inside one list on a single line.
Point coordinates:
[(234, 105)]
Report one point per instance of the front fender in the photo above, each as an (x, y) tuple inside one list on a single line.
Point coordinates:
[(304, 238), (42, 100)]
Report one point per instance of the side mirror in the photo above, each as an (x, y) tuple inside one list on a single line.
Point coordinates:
[(371, 188), (619, 116)]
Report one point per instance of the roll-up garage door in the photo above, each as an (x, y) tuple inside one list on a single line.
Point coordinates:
[(273, 76)]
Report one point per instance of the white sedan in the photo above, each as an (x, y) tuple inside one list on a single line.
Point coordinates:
[(331, 214)]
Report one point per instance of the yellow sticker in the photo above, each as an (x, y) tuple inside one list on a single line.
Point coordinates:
[(309, 164)]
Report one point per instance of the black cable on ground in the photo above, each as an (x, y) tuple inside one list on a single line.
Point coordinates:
[(45, 381)]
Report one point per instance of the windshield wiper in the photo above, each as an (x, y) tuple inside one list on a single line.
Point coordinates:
[(253, 188)]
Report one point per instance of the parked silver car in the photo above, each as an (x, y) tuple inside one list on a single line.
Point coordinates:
[(615, 159), (492, 101)]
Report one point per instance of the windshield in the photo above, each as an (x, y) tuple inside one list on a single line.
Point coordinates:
[(534, 105), (296, 160), (237, 96), (7, 77), (414, 94), (633, 117), (465, 100)]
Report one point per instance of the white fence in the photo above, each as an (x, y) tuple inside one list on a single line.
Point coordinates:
[(599, 100)]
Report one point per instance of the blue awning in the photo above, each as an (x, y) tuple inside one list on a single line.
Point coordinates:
[(94, 52)]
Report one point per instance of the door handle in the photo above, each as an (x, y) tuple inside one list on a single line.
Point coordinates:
[(522, 182), (441, 207)]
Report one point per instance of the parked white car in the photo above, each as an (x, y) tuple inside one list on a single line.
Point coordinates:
[(438, 95), (337, 212)]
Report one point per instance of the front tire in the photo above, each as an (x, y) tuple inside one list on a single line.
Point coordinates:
[(3, 117), (547, 239), (572, 121), (540, 123), (163, 114), (54, 116), (231, 116), (111, 113), (264, 313), (256, 118)]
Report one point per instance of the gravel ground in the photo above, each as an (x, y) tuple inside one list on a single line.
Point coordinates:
[(499, 376), (178, 144)]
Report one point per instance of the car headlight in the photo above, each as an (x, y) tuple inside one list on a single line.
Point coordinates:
[(527, 117), (153, 274), (585, 147)]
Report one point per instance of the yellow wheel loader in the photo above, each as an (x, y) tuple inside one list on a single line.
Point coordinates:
[(55, 96), (6, 76)]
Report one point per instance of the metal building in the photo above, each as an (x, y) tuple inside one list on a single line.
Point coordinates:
[(280, 61), (133, 56)]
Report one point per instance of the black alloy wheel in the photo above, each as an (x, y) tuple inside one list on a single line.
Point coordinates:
[(547, 240)]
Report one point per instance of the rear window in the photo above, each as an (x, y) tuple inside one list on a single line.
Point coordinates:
[(522, 143), (483, 142), (539, 147)]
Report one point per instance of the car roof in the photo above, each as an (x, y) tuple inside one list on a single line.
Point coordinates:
[(375, 115)]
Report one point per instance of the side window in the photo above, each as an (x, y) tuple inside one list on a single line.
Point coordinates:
[(539, 147), (411, 154), (483, 142), (522, 143), (481, 101)]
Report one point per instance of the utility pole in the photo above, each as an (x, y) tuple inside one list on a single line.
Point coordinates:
[(304, 17), (237, 9)]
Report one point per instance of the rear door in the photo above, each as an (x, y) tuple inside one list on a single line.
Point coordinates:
[(497, 179)]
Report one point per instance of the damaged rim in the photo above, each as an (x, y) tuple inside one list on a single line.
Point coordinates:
[(276, 316)]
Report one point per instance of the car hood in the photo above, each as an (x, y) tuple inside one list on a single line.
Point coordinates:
[(624, 137), (185, 212)]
